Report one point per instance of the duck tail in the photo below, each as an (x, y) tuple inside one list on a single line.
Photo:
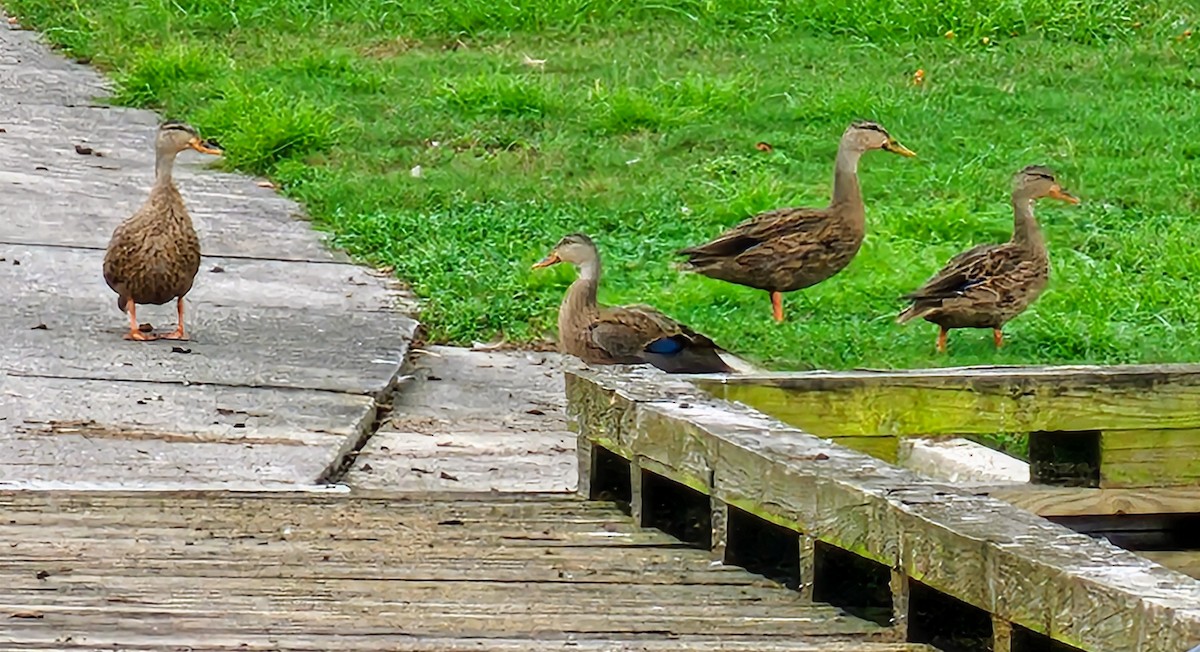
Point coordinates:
[(682, 355), (915, 311)]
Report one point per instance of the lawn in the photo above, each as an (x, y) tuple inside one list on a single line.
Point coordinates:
[(426, 137)]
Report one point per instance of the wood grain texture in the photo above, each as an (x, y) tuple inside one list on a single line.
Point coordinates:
[(1024, 569), (1184, 561), (237, 571), (972, 399), (1146, 458), (1080, 501)]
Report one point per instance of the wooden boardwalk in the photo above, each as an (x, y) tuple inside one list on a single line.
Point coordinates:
[(312, 571)]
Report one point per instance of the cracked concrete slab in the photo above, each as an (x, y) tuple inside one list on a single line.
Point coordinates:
[(291, 346), (474, 421)]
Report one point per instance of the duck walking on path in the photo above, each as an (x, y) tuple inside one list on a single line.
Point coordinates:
[(154, 254), (630, 335), (789, 249), (988, 285)]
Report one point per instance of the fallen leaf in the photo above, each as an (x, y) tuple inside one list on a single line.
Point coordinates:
[(265, 184), (949, 34), (763, 147), (446, 476), (145, 328), (367, 468), (40, 327), (41, 575), (180, 349), (217, 269), (919, 77), (533, 63)]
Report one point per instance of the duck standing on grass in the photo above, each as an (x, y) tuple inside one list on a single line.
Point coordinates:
[(630, 335), (988, 285), (154, 254), (789, 249)]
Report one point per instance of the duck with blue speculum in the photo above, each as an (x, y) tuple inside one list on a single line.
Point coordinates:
[(636, 334)]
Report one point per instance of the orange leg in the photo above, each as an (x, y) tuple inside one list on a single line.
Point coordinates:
[(135, 333), (998, 336), (941, 341), (178, 333), (777, 306)]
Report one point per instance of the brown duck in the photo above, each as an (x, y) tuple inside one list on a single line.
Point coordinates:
[(629, 335), (789, 249), (988, 285), (154, 254)]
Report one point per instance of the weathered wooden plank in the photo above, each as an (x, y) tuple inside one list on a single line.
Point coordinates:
[(255, 642), (1143, 458), (1184, 561), (1011, 563), (972, 400), (1080, 501), (188, 570)]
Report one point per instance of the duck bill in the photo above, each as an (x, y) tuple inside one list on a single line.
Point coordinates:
[(552, 259), (1059, 193), (206, 147), (896, 148)]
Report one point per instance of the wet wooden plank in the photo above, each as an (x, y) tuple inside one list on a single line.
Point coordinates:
[(194, 569), (987, 553)]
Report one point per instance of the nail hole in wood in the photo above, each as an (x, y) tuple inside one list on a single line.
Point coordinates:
[(676, 509), (763, 547), (858, 585), (946, 622), (611, 478), (1067, 459), (1025, 640)]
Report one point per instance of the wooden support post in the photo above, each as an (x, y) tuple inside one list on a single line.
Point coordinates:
[(586, 454), (637, 502), (808, 566), (720, 529), (899, 586), (1001, 634)]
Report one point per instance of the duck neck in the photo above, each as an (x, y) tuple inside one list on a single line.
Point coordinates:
[(1026, 231), (846, 191), (581, 296), (164, 165)]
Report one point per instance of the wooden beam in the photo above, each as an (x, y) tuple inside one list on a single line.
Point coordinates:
[(1077, 501), (972, 400), (1184, 561), (1021, 568)]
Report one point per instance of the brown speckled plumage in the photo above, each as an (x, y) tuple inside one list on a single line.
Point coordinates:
[(789, 249), (988, 285), (154, 255), (637, 334)]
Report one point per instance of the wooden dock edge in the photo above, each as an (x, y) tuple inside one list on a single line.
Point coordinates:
[(1019, 568)]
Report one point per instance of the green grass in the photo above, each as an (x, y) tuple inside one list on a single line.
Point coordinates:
[(641, 128)]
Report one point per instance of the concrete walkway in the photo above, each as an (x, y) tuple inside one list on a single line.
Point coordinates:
[(296, 355), (291, 345)]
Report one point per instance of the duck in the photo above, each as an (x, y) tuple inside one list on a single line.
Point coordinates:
[(789, 249), (634, 335), (154, 254), (990, 284)]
